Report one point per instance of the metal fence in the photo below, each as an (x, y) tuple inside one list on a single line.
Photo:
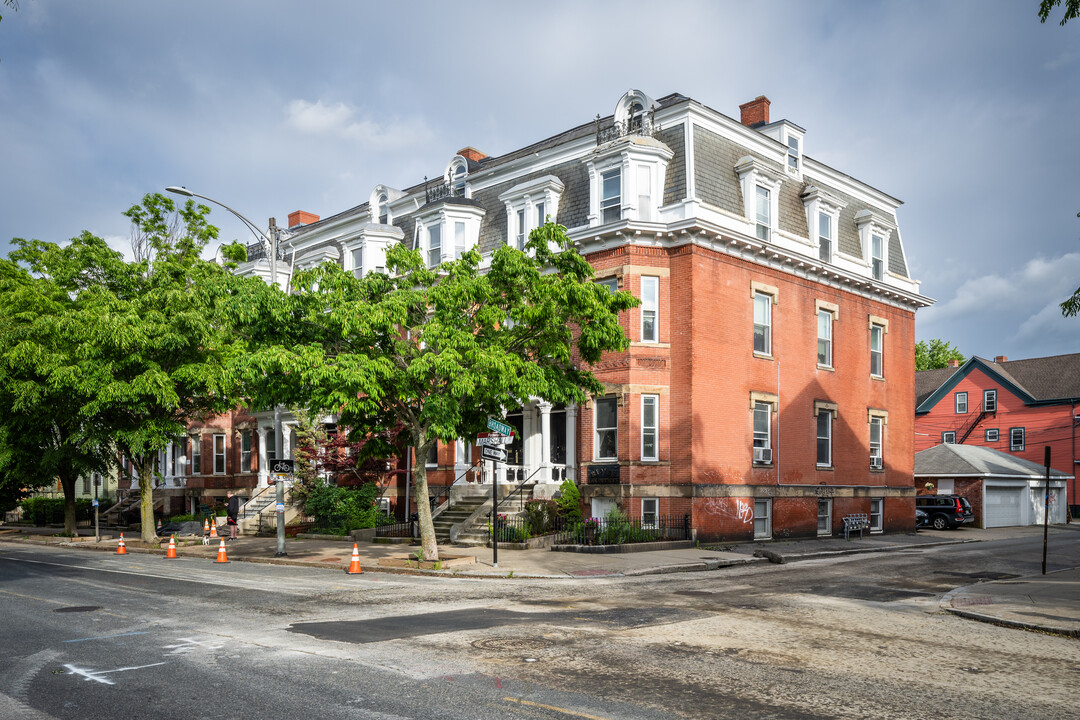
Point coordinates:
[(397, 530)]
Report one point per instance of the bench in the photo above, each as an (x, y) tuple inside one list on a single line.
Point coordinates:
[(856, 521)]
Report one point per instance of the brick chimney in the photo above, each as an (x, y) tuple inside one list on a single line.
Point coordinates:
[(1000, 359), (953, 362), (755, 112), (300, 217), (471, 154)]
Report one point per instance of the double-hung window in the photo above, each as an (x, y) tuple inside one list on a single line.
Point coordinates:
[(606, 421), (793, 153), (989, 400), (649, 512), (876, 515), (541, 214), (825, 237), (611, 195), (824, 516), (459, 240), (762, 323), (1016, 439), (219, 454), (196, 455), (358, 261), (764, 213), (824, 338), (649, 427), (824, 438), (877, 354), (961, 403), (992, 435), (650, 300), (948, 438), (521, 229), (876, 428), (245, 451), (762, 433), (877, 256), (434, 245), (762, 519)]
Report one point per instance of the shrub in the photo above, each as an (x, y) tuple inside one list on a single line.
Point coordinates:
[(569, 502), (344, 508), (50, 511), (540, 516)]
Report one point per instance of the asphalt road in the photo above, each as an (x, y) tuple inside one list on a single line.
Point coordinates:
[(89, 635)]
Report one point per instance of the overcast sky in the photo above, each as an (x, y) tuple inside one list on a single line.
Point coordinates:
[(965, 110)]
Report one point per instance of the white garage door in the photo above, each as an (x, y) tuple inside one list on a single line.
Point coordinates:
[(1002, 507)]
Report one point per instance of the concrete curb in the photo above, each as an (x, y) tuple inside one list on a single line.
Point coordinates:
[(945, 605), (861, 551)]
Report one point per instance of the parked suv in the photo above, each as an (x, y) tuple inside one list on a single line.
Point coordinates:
[(946, 511)]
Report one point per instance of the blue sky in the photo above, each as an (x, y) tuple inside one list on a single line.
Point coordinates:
[(966, 110)]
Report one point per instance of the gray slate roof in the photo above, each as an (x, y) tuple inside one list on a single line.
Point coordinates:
[(927, 381), (945, 460), (1048, 378)]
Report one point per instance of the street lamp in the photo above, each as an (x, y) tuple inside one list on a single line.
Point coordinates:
[(272, 242)]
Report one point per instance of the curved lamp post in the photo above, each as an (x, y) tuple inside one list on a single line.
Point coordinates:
[(271, 241)]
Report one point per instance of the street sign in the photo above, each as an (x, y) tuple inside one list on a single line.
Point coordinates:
[(493, 439), (281, 507), (493, 453), (499, 427), (281, 467)]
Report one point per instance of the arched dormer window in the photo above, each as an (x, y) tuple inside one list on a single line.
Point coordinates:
[(379, 204), (456, 174), (632, 113), (382, 209)]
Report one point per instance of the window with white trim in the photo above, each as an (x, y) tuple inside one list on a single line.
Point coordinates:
[(650, 512), (611, 195), (824, 437), (989, 400), (763, 212), (528, 206), (960, 403), (1016, 439), (793, 153), (824, 516), (762, 433), (459, 239), (541, 214), (762, 519), (463, 452), (650, 301), (245, 451), (824, 338), (650, 427), (877, 436), (760, 184), (434, 245), (877, 516), (458, 179), (825, 237), (606, 424), (358, 261), (877, 350), (382, 209), (644, 192), (433, 455), (611, 283), (877, 256), (219, 454), (992, 435), (763, 323), (519, 236), (196, 455), (948, 438)]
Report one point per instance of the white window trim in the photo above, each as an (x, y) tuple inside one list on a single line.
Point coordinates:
[(884, 328), (753, 173), (956, 402), (655, 399), (882, 416), (427, 460), (756, 289), (829, 364), (770, 403), (445, 215), (1022, 445), (526, 197), (246, 455), (597, 429), (823, 407), (451, 173), (827, 532), (655, 502), (818, 202), (629, 156), (654, 306), (945, 437), (767, 535), (997, 435), (870, 223), (987, 394), (880, 526), (222, 454)]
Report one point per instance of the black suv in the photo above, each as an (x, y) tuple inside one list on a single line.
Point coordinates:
[(946, 511)]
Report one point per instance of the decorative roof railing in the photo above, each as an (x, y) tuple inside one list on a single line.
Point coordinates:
[(643, 124)]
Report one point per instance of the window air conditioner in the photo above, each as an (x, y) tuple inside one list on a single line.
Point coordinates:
[(875, 463), (763, 455)]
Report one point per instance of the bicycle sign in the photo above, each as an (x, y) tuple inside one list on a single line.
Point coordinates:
[(281, 467)]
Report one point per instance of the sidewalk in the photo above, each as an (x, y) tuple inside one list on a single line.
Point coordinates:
[(1050, 603)]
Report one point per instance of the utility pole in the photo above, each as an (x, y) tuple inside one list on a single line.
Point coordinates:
[(1046, 505)]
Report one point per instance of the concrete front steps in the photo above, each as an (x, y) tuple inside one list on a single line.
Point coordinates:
[(459, 511)]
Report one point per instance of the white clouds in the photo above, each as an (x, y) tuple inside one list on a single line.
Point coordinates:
[(340, 121)]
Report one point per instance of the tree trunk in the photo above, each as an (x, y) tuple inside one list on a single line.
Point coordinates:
[(67, 482), (428, 547), (145, 466)]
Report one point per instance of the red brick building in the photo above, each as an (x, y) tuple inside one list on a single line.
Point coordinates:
[(767, 390), (1019, 407)]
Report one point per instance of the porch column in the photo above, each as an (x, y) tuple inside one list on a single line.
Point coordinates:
[(169, 466), (286, 441), (545, 439), (264, 470), (571, 441)]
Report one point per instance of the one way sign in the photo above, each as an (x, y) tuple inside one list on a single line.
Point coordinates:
[(489, 452)]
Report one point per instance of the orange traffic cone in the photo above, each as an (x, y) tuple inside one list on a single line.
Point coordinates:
[(120, 548), (354, 565), (213, 529), (221, 556), (206, 527), (158, 525), (171, 552)]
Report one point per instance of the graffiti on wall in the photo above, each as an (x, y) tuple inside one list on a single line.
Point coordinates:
[(741, 510)]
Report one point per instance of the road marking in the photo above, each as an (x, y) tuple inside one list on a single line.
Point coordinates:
[(187, 645), (95, 675), (33, 597), (106, 637), (564, 711)]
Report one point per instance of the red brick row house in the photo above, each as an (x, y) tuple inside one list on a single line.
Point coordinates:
[(767, 388)]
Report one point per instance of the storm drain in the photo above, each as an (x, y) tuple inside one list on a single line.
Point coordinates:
[(78, 608), (513, 643)]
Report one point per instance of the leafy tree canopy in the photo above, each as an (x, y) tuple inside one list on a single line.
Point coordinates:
[(935, 354), (431, 353), (1072, 10)]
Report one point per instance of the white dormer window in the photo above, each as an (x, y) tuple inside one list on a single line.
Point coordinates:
[(456, 175), (446, 231), (358, 262), (760, 186), (434, 245), (794, 157), (379, 209), (823, 221), (825, 236), (874, 232), (529, 205), (611, 195), (382, 209)]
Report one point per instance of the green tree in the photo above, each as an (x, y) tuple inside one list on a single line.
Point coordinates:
[(431, 353), (1071, 306), (1072, 10), (935, 354)]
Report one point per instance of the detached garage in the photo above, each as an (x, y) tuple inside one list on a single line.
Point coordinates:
[(1003, 490)]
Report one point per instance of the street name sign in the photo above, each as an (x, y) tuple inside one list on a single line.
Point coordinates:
[(485, 438), (499, 427), (493, 453)]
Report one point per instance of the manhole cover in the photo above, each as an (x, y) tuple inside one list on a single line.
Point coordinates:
[(78, 608), (513, 643)]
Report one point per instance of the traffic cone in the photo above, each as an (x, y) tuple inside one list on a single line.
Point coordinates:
[(171, 552), (159, 525), (221, 556), (213, 528), (354, 565), (120, 548), (206, 527)]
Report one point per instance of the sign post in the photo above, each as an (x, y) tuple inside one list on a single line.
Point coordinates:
[(1046, 505), (281, 468)]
